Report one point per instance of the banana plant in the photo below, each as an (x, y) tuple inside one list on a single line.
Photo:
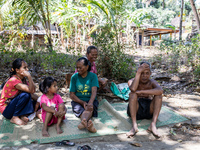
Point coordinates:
[(113, 10), (34, 11)]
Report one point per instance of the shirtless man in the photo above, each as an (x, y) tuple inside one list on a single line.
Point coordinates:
[(145, 99)]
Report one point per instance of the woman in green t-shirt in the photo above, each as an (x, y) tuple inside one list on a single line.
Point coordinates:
[(83, 91)]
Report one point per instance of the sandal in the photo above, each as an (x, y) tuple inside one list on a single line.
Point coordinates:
[(84, 147), (65, 143)]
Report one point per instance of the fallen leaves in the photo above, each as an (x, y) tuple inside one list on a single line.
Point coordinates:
[(135, 144)]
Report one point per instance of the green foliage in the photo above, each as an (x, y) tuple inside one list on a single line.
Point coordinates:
[(113, 62), (158, 17), (183, 54), (35, 57)]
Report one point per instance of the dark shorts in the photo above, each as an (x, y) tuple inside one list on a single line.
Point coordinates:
[(143, 110), (78, 108)]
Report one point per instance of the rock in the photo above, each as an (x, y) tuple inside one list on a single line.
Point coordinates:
[(197, 89), (175, 78)]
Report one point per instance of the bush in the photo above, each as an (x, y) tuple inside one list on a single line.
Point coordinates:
[(183, 53), (112, 61)]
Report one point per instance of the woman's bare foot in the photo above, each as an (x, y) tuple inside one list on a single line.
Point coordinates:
[(24, 118), (90, 127), (83, 124), (45, 133), (58, 129), (132, 132), (152, 128), (17, 120)]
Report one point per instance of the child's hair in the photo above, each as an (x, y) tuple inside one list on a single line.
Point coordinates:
[(90, 48), (85, 62), (46, 84), (17, 63)]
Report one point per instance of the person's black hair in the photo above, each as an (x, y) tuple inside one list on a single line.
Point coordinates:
[(46, 84), (90, 48), (17, 63), (85, 62), (144, 62)]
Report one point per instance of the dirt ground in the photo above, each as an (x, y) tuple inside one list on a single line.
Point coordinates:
[(179, 95)]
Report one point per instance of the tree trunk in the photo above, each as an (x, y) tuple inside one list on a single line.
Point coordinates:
[(195, 14), (163, 4), (1, 23), (32, 40), (50, 46), (181, 17), (62, 38)]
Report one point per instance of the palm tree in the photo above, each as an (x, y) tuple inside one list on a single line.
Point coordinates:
[(36, 11), (113, 10)]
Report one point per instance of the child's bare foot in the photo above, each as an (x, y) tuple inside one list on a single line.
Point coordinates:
[(45, 133), (24, 118), (83, 124), (90, 127), (39, 116), (17, 120), (58, 129)]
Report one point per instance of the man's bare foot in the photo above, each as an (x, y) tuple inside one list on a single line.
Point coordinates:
[(24, 118), (132, 132), (58, 129), (90, 127), (17, 120), (45, 133), (83, 124), (152, 128)]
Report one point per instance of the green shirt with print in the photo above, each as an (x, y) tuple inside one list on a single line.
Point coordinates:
[(83, 86)]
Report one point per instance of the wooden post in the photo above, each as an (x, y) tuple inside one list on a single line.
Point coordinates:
[(142, 38), (137, 38), (160, 36), (171, 35), (150, 40), (62, 37)]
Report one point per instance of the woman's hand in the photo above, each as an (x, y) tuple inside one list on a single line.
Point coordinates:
[(85, 105), (89, 107), (26, 73)]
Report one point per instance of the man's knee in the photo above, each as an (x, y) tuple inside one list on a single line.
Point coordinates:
[(132, 97), (158, 97)]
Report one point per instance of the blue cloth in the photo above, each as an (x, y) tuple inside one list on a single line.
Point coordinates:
[(20, 105), (123, 93)]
